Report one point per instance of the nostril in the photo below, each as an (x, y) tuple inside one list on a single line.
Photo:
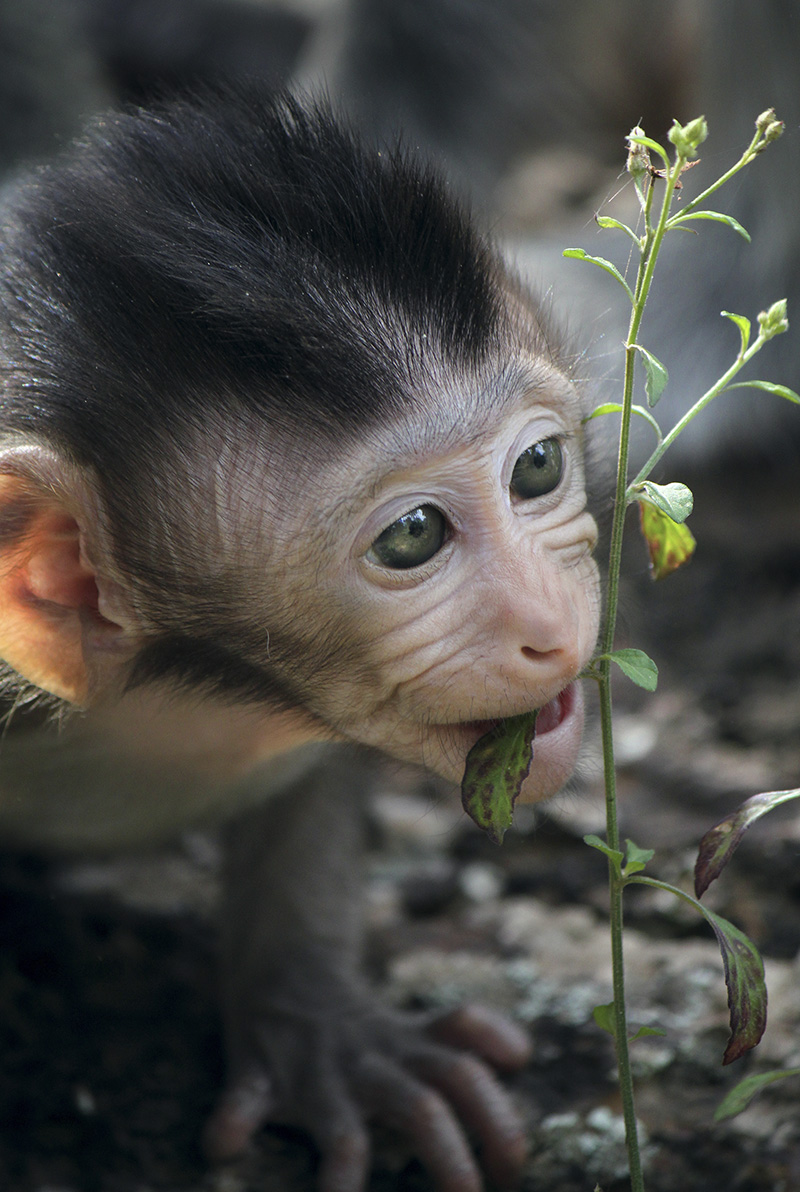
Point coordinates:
[(536, 655)]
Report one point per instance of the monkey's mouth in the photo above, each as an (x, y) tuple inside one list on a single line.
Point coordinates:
[(548, 718)]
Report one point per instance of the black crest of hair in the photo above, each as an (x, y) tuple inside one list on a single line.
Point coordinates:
[(214, 262), (224, 245)]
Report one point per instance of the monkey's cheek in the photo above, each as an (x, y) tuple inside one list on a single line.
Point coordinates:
[(556, 747)]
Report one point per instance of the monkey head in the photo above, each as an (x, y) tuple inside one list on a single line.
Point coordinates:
[(280, 428)]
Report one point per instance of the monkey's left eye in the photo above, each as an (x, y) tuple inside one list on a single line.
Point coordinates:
[(538, 470), (411, 540)]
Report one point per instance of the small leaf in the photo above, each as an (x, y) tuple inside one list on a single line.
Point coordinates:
[(674, 499), (636, 858), (613, 854), (677, 220), (670, 545), (496, 767), (640, 669), (605, 221), (580, 254), (740, 1096), (604, 1017), (744, 326), (747, 993), (645, 1032), (720, 842), (650, 144), (780, 390), (656, 375), (614, 407)]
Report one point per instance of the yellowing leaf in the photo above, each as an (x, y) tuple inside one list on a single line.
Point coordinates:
[(670, 545)]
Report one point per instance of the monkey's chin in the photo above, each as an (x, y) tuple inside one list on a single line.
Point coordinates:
[(559, 728)]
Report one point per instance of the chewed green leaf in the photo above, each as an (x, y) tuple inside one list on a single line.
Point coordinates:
[(720, 842), (670, 545), (740, 1096), (718, 216), (580, 254), (769, 387), (747, 993), (604, 1017), (655, 375), (674, 499), (496, 767), (744, 326), (640, 669)]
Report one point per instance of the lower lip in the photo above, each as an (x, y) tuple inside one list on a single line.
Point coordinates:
[(548, 718)]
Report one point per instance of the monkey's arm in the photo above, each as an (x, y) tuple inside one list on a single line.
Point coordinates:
[(308, 1043)]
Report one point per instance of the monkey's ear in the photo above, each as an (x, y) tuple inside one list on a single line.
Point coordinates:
[(51, 628)]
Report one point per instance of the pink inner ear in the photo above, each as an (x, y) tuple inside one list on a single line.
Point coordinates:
[(54, 572)]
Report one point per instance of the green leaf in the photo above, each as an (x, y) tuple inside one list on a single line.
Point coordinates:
[(605, 221), (496, 767), (656, 375), (677, 220), (740, 1096), (674, 499), (744, 326), (720, 842), (650, 144), (580, 254), (780, 390), (613, 854), (645, 1032), (636, 858), (614, 407), (604, 1017), (640, 669), (670, 545)]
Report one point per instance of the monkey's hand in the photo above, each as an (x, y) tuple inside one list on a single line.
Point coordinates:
[(330, 1070), (309, 1045)]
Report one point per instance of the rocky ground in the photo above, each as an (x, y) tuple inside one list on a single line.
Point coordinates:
[(110, 1037)]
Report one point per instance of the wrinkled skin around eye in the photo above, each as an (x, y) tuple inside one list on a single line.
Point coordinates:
[(538, 470), (411, 540)]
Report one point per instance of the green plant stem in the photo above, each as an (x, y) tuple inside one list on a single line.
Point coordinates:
[(754, 148), (741, 360), (651, 243)]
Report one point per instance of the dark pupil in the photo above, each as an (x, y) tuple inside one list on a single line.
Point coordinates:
[(412, 539), (538, 470)]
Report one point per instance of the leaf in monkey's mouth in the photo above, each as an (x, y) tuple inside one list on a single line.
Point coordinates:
[(496, 767)]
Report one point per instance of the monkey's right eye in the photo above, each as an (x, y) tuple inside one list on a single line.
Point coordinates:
[(411, 540)]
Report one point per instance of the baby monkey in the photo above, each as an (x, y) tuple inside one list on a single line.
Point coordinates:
[(288, 459)]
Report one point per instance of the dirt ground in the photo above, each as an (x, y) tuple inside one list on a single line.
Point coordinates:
[(110, 1035)]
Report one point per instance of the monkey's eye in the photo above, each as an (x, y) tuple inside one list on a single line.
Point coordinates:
[(538, 470), (411, 540)]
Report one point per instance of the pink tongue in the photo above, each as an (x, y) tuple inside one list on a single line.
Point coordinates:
[(550, 716)]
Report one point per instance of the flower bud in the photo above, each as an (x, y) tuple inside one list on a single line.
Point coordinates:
[(687, 137), (638, 162), (774, 321)]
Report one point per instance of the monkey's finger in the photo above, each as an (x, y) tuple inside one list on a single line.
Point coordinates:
[(487, 1033), (241, 1110), (346, 1154), (422, 1115), (483, 1106)]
